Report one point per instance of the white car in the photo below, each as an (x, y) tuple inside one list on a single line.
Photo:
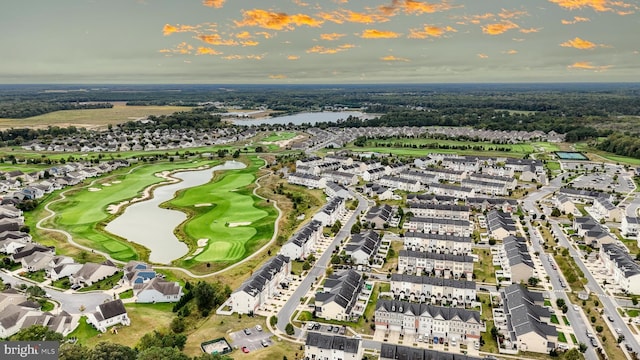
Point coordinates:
[(576, 307)]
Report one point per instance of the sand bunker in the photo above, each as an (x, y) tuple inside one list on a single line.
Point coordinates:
[(202, 205), (202, 242), (94, 189), (244, 223), (106, 184), (116, 182)]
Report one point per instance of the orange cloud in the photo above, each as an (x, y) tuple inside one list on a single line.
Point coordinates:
[(510, 52), (530, 30), (576, 19), (293, 57), (342, 16), (278, 76), (587, 65), (596, 5), (429, 31), (244, 35), (512, 14), (169, 29), (331, 36), (275, 21), (300, 3), (215, 39), (499, 28), (264, 34), (379, 34), (394, 58), (207, 51), (240, 57), (483, 56), (475, 19), (249, 43), (324, 50), (213, 3), (183, 48), (579, 44), (413, 7)]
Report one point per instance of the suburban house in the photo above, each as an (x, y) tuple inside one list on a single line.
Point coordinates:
[(432, 199), (398, 183), (439, 265), (493, 203), (515, 260), (302, 243), (593, 233), (332, 347), (434, 322), (396, 352), (379, 216), (90, 273), (444, 211), (29, 249), (363, 247), (445, 175), (333, 190), (630, 226), (459, 192), (379, 191), (108, 314), (440, 243), (604, 209), (63, 270), (500, 224), (433, 289), (308, 180), (439, 226), (623, 270), (13, 317), (525, 321), (339, 295), (331, 212), (578, 195), (565, 204), (157, 290), (261, 286), (423, 178), (340, 177), (486, 187), (373, 174)]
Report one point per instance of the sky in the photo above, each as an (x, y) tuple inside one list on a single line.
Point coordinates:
[(324, 42)]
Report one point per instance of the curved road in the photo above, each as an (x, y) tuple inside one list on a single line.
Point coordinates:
[(70, 240)]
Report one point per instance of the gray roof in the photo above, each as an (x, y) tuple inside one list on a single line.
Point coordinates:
[(255, 284), (523, 314), (434, 236), (498, 219), (435, 256), (622, 259), (112, 309), (335, 342), (419, 309), (368, 242), (416, 279), (400, 352), (516, 250), (342, 288)]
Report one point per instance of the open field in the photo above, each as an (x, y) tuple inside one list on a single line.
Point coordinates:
[(91, 118), (226, 213), (282, 135), (598, 155), (434, 145), (84, 212)]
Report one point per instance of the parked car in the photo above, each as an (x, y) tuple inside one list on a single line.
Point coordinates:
[(316, 326), (594, 342), (247, 331), (330, 328), (610, 318), (618, 331), (264, 342), (258, 328), (245, 349), (336, 329), (576, 307), (310, 326)]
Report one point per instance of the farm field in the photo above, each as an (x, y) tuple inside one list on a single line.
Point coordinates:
[(83, 211), (227, 214), (282, 135), (90, 118)]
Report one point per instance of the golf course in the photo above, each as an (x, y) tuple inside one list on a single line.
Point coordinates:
[(84, 210), (225, 219)]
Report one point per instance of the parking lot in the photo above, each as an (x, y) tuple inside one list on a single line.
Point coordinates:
[(252, 341), (322, 328)]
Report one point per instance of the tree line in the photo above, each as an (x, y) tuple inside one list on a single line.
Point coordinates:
[(26, 109)]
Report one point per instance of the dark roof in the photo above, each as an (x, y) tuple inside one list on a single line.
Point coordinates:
[(342, 288), (112, 309), (416, 279), (399, 352), (446, 313), (335, 342)]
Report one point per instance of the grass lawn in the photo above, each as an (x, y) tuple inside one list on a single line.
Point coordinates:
[(47, 306), (128, 294), (236, 224), (547, 302), (84, 212), (632, 312), (606, 155), (573, 339), (490, 344), (277, 136), (37, 276), (63, 283), (553, 165), (84, 331), (392, 263), (484, 270), (104, 284), (565, 320), (91, 118), (561, 337), (554, 319)]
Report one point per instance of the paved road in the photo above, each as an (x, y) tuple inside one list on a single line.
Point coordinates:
[(608, 301), (70, 302), (318, 269)]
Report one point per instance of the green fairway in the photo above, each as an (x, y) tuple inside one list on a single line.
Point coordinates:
[(84, 210), (233, 220), (282, 135)]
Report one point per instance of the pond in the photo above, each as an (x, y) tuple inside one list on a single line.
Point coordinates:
[(303, 118), (147, 224)]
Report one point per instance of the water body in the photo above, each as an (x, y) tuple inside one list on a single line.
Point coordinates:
[(304, 118), (147, 224)]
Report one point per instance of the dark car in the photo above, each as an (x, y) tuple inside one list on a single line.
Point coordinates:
[(247, 331), (316, 326), (336, 329), (330, 328), (594, 342)]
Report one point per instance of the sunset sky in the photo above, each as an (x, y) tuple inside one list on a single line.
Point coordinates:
[(328, 41)]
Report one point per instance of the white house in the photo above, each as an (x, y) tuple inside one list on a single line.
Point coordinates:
[(261, 286), (108, 314), (332, 347), (303, 242), (621, 268), (158, 290)]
